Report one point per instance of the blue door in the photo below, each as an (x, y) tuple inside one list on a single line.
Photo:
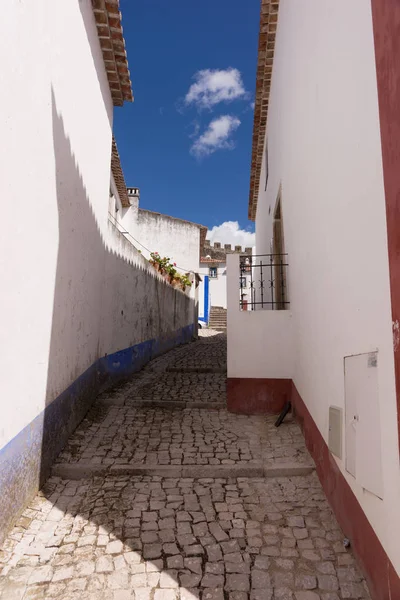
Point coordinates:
[(206, 299)]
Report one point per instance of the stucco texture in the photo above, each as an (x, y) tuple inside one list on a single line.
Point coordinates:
[(83, 308), (175, 238), (324, 154)]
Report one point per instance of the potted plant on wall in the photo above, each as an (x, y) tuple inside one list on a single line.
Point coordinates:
[(160, 264), (172, 272), (169, 271), (185, 282), (176, 281)]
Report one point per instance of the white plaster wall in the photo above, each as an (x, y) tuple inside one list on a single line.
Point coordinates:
[(137, 303), (260, 343), (123, 219), (324, 149), (177, 239), (217, 287), (73, 288), (54, 46), (201, 293)]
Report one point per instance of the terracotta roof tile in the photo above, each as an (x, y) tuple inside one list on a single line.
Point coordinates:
[(118, 175), (109, 31), (266, 49), (212, 260)]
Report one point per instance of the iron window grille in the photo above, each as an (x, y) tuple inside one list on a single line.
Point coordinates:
[(213, 272), (267, 285)]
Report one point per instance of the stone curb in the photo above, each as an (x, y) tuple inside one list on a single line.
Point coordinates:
[(110, 401), (195, 471), (87, 471), (161, 404), (78, 471), (288, 470), (221, 370)]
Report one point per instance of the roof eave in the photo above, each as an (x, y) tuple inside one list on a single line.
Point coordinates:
[(266, 50), (110, 33), (118, 175)]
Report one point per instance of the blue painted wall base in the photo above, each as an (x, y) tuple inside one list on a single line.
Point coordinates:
[(25, 462)]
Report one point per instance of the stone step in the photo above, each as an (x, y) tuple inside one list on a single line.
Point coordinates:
[(216, 369), (87, 470), (162, 404)]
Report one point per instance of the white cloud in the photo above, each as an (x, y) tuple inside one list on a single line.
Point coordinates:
[(230, 233), (216, 136), (252, 105), (214, 86), (196, 129)]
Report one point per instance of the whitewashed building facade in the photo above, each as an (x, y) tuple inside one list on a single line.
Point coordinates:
[(80, 306), (324, 194)]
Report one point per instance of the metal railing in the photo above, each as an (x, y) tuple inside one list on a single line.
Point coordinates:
[(263, 282)]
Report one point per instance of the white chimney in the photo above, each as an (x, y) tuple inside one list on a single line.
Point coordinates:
[(133, 195)]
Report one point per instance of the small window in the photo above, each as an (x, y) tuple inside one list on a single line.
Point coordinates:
[(213, 273), (243, 282)]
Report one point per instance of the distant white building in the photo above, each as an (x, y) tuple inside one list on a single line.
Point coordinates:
[(185, 244), (179, 240), (212, 270)]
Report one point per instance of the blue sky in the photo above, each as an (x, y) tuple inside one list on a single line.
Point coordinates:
[(184, 165)]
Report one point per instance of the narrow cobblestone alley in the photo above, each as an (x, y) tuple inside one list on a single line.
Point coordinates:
[(161, 494)]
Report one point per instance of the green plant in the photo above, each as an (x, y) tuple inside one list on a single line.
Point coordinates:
[(165, 267), (185, 281), (162, 263), (172, 272)]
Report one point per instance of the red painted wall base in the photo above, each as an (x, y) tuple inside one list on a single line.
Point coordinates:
[(257, 396), (268, 396), (381, 576)]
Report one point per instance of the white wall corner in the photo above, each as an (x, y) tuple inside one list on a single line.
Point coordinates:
[(232, 284)]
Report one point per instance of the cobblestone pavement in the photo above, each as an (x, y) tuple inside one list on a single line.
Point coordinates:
[(158, 418), (167, 437), (189, 387), (156, 436), (182, 377), (147, 537), (285, 444)]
